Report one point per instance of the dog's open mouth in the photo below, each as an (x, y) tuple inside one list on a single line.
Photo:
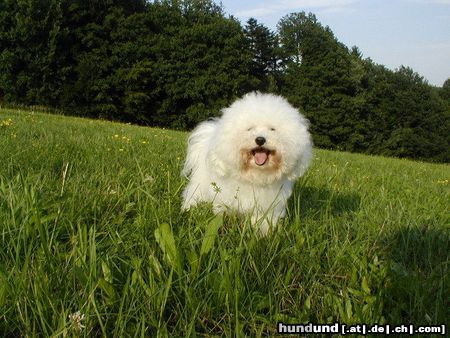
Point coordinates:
[(261, 155)]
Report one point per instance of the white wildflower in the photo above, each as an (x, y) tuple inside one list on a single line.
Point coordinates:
[(76, 319)]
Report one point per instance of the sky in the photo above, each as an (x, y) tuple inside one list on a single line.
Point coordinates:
[(414, 33)]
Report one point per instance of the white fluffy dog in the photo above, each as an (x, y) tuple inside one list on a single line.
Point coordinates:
[(248, 159)]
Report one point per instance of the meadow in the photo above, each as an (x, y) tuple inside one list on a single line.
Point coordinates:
[(93, 242)]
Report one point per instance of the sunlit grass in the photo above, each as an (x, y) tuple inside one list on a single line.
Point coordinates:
[(92, 240)]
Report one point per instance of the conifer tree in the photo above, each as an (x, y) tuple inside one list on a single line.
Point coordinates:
[(263, 48)]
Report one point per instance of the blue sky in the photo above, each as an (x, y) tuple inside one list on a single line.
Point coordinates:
[(413, 33)]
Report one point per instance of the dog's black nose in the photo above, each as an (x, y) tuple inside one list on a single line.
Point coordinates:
[(260, 140)]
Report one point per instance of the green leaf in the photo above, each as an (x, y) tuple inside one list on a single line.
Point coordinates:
[(155, 265), (211, 233), (164, 237), (308, 303), (348, 309), (365, 285), (192, 260), (108, 289), (106, 272), (3, 288)]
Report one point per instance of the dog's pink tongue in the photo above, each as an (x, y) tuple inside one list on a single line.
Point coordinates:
[(260, 157)]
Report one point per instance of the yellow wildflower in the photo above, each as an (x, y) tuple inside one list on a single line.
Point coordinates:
[(6, 123)]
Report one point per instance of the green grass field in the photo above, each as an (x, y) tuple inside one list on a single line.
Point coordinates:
[(93, 243)]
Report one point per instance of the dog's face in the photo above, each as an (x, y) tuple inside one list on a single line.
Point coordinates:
[(260, 151), (260, 139)]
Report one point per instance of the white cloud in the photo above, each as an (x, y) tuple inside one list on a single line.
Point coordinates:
[(274, 7)]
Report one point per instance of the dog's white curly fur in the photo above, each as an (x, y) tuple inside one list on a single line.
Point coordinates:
[(249, 159)]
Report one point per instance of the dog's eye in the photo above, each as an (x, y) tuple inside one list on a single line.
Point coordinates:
[(249, 128), (272, 129)]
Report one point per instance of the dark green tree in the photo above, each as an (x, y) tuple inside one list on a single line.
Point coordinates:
[(317, 77), (263, 48), (200, 65), (420, 122), (90, 88), (445, 91), (174, 63), (29, 35)]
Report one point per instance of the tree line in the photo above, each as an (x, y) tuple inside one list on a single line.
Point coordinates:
[(175, 63)]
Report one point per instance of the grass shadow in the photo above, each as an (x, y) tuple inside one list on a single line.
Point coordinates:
[(315, 202), (418, 277)]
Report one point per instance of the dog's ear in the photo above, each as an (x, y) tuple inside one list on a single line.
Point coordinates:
[(302, 163), (216, 164)]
